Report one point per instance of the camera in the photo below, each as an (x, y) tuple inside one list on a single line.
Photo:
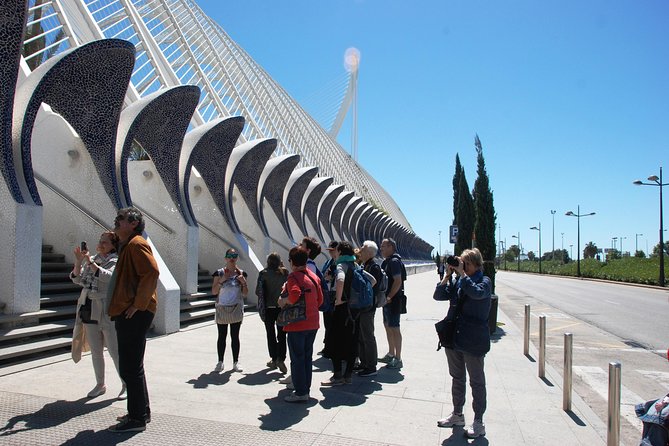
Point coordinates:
[(452, 261), (84, 247)]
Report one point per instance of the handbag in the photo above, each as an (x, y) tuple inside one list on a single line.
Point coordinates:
[(229, 314), (446, 327), (85, 311), (296, 312), (260, 292)]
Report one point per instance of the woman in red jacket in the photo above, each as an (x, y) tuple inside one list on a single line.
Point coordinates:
[(301, 334)]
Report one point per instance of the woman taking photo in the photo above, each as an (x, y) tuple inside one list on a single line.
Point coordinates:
[(301, 334), (231, 288), (93, 325), (469, 296), (268, 289)]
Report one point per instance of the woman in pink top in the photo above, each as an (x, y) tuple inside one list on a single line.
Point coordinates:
[(301, 334)]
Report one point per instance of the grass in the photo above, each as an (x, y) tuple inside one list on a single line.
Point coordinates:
[(628, 269)]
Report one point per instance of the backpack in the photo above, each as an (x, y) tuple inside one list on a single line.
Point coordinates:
[(325, 307), (382, 287), (360, 292)]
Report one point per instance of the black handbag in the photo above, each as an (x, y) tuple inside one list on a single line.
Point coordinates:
[(446, 327), (85, 312)]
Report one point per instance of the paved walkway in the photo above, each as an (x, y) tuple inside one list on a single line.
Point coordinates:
[(44, 403)]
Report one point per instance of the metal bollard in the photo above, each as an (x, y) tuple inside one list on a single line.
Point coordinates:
[(613, 432), (542, 346), (566, 379), (526, 340)]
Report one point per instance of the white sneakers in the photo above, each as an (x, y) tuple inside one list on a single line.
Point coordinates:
[(98, 390), (123, 394), (219, 367), (293, 398), (452, 420), (236, 367), (477, 429)]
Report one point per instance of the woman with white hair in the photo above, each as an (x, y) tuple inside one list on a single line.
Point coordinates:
[(367, 351)]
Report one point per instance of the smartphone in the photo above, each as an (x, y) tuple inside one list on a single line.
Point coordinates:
[(84, 246)]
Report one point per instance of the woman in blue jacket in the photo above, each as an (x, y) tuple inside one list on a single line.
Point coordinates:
[(469, 296)]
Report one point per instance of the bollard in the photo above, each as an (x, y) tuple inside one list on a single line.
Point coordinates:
[(526, 340), (613, 432), (542, 346), (566, 379)]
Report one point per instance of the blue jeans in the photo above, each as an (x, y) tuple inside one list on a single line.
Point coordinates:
[(301, 348)]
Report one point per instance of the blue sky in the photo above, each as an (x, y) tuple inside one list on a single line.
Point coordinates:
[(570, 100)]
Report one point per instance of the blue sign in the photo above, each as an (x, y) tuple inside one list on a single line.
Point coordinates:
[(454, 233)]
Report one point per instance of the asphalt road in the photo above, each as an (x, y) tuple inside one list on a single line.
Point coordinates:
[(609, 322)]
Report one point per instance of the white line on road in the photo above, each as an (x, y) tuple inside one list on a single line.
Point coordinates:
[(598, 380), (612, 302)]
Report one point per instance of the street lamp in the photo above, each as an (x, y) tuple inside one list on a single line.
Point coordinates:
[(440, 253), (658, 182), (636, 243), (534, 228), (562, 249), (518, 237), (613, 242), (621, 238), (571, 252), (553, 252), (578, 216)]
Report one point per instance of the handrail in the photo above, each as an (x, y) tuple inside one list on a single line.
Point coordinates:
[(155, 220), (68, 200), (211, 231)]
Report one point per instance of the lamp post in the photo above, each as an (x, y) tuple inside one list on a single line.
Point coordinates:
[(519, 251), (562, 249), (534, 228), (578, 216), (658, 182), (636, 243), (553, 215), (571, 252), (613, 242), (440, 253), (621, 238)]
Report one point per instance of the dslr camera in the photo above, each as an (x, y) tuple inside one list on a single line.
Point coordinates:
[(452, 261)]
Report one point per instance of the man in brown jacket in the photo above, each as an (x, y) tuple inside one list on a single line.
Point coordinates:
[(132, 307)]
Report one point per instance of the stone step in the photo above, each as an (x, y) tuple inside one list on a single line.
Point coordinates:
[(46, 313), (56, 267), (48, 257), (15, 352), (55, 276), (47, 248), (59, 288), (12, 334), (188, 316), (58, 299), (197, 304), (196, 296)]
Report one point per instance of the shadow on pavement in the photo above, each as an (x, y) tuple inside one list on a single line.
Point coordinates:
[(259, 378), (89, 437), (283, 415), (53, 414), (210, 379), (340, 396), (497, 335), (576, 418), (458, 438)]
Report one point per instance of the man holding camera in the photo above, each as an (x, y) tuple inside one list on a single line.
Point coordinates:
[(133, 305)]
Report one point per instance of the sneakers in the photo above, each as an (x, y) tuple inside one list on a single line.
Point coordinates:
[(236, 367), (333, 382), (293, 398), (282, 367), (219, 367), (395, 364), (386, 359), (128, 425), (98, 390), (367, 372), (477, 429), (286, 380), (290, 386), (123, 394), (271, 364), (452, 420)]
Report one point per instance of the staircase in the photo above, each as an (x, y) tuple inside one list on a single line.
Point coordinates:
[(49, 330), (198, 307)]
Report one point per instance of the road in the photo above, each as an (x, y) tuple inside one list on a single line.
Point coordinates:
[(609, 322)]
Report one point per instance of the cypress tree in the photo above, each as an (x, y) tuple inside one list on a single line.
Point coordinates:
[(464, 216), (484, 227), (456, 186)]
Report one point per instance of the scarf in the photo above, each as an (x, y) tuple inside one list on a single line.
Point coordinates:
[(89, 278), (345, 259)]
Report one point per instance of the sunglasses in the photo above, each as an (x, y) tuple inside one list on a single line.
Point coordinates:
[(232, 255)]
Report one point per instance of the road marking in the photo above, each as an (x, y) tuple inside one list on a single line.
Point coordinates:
[(608, 348), (659, 377), (612, 302), (598, 380), (565, 326)]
